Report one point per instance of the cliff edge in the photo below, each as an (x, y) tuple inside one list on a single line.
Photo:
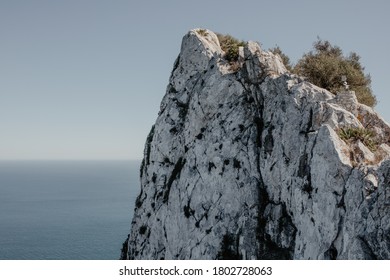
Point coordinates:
[(248, 161)]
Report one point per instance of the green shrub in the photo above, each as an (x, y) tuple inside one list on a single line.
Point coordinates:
[(325, 65), (230, 46), (353, 134), (202, 32)]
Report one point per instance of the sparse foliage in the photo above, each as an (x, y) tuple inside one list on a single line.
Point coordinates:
[(202, 32), (230, 46)]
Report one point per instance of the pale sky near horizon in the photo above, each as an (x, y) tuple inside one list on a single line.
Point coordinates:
[(83, 79)]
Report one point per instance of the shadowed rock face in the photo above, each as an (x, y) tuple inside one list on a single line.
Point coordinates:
[(248, 164)]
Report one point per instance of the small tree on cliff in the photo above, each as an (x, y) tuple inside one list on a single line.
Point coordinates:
[(325, 65)]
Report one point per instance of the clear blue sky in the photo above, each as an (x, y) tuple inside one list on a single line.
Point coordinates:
[(83, 79)]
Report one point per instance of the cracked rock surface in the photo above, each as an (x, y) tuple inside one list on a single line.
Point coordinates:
[(248, 164)]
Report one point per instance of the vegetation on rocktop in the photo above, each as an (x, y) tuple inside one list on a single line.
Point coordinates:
[(230, 46), (325, 65), (354, 134), (202, 32)]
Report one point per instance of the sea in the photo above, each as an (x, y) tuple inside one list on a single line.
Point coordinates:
[(66, 210)]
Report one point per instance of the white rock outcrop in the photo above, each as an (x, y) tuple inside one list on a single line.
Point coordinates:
[(249, 164)]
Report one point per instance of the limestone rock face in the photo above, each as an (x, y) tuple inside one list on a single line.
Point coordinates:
[(248, 163)]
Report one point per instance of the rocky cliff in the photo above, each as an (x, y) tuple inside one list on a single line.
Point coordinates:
[(252, 162)]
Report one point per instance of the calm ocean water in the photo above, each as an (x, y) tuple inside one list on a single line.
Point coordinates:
[(66, 209)]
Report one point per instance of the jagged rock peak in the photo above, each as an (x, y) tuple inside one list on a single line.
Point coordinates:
[(247, 161), (200, 46)]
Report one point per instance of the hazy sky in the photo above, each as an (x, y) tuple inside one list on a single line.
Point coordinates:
[(83, 79)]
